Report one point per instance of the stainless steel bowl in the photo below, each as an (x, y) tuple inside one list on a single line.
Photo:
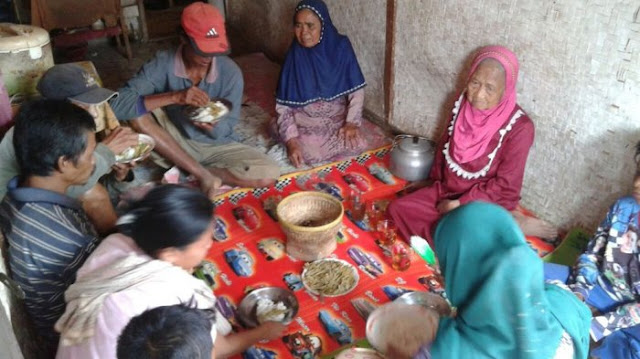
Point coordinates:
[(428, 300), (247, 309)]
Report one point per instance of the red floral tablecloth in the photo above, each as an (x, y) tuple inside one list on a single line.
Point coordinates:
[(250, 253)]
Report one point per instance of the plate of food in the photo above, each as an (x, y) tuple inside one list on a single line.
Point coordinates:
[(330, 277), (211, 113), (138, 152), (266, 304)]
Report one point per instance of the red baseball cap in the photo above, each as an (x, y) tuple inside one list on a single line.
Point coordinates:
[(204, 25)]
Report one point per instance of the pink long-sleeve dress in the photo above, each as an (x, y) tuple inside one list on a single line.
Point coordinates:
[(494, 177), (317, 127)]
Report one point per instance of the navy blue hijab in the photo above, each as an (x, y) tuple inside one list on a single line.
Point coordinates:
[(324, 72)]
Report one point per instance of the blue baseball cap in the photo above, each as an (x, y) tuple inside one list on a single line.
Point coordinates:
[(70, 81)]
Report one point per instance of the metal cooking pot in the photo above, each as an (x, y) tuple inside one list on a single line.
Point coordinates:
[(411, 157)]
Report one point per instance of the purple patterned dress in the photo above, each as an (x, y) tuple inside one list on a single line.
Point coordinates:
[(317, 127)]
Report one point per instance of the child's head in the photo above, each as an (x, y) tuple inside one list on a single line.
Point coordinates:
[(172, 332)]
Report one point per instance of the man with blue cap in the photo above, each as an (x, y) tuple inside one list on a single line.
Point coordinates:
[(73, 83)]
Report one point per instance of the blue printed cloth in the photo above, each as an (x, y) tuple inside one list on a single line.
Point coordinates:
[(607, 274)]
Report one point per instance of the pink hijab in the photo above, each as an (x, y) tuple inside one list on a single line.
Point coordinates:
[(474, 129)]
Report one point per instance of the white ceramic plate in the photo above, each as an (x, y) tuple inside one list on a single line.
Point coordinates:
[(132, 154), (353, 270)]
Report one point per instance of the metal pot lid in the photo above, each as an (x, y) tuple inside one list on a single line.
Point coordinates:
[(415, 144)]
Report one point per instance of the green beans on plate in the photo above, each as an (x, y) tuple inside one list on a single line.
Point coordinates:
[(330, 277)]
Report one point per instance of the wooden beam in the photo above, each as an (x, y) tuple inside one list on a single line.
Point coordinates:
[(390, 43), (143, 20), (16, 11)]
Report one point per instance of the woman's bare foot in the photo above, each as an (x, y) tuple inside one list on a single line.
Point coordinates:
[(532, 226)]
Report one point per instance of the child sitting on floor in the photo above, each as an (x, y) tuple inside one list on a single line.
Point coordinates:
[(175, 331), (607, 277)]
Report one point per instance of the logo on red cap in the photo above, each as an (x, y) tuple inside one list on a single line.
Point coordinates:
[(204, 25), (212, 33)]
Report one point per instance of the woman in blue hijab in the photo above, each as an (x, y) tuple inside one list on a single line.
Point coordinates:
[(320, 91), (504, 307)]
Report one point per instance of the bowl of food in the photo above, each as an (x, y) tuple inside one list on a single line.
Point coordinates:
[(427, 300), (330, 277), (399, 330), (138, 152), (212, 112), (266, 304)]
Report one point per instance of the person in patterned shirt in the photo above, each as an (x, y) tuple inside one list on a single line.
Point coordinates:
[(607, 277)]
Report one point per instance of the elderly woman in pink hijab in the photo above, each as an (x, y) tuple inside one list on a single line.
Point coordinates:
[(482, 153)]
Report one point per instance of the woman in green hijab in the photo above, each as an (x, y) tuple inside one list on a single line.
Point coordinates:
[(505, 308)]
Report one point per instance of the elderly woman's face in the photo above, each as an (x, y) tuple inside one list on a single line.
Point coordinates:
[(307, 28), (486, 85)]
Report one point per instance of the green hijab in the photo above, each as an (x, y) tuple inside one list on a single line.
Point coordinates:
[(505, 309)]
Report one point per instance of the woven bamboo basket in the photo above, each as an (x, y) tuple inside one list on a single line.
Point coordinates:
[(311, 221)]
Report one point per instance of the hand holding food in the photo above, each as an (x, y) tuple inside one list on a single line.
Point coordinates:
[(143, 147), (120, 138), (209, 113), (192, 96)]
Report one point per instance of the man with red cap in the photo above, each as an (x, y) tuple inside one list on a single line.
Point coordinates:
[(194, 74)]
